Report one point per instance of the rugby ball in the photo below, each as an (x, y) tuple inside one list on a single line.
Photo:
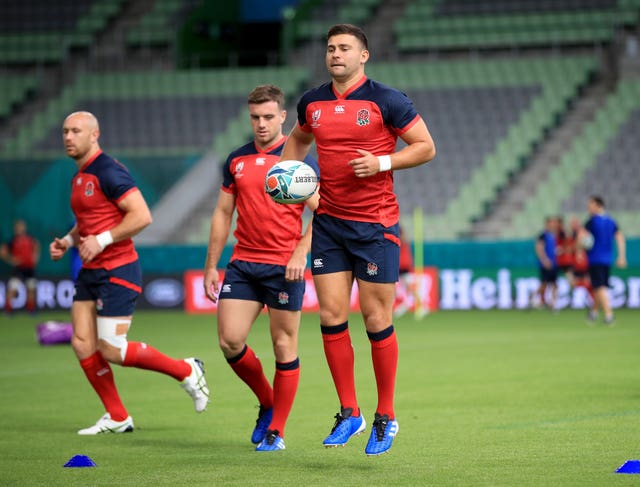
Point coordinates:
[(586, 240), (290, 182)]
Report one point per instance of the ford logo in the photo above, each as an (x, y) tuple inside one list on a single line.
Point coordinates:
[(164, 293)]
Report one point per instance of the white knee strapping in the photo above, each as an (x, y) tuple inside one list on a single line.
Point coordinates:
[(13, 284), (114, 332), (31, 283)]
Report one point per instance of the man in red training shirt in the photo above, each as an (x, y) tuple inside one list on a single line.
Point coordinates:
[(109, 209), (355, 123)]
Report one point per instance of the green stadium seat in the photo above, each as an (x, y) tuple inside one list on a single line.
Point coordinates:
[(579, 159), (15, 90), (423, 27)]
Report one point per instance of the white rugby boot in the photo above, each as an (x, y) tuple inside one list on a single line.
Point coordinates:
[(196, 384), (106, 425)]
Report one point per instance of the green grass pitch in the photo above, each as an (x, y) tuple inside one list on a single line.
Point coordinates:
[(483, 398)]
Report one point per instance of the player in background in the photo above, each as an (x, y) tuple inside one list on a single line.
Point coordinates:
[(605, 232), (266, 268), (109, 209), (22, 253), (406, 277), (355, 122), (580, 270), (545, 249), (564, 250)]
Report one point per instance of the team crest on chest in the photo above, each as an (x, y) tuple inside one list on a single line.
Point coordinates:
[(315, 117), (89, 189), (238, 169), (363, 117)]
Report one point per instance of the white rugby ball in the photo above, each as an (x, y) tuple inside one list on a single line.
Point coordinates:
[(290, 182), (586, 240)]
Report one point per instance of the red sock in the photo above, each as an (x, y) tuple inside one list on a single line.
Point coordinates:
[(143, 356), (100, 375), (339, 353), (247, 366), (590, 291), (384, 354), (285, 386), (31, 304), (7, 303)]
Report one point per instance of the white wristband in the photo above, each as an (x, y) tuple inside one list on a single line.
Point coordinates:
[(104, 239), (385, 162), (69, 240)]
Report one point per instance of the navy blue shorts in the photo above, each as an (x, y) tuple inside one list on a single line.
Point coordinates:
[(264, 283), (549, 276), (599, 275), (23, 273), (115, 292), (370, 250)]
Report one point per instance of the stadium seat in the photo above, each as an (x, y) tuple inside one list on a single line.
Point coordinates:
[(459, 24), (485, 117), (43, 32), (157, 123), (596, 163), (157, 28), (14, 90)]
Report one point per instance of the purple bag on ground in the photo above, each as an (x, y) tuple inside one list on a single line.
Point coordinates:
[(54, 332)]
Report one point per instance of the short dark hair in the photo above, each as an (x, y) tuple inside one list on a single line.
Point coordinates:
[(598, 200), (265, 93), (350, 29)]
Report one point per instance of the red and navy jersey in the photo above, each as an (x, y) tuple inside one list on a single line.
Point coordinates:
[(580, 258), (266, 232), (23, 250), (96, 189), (564, 249), (369, 116)]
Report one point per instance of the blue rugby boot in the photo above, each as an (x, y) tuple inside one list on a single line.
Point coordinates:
[(383, 432), (262, 424), (272, 442), (344, 428)]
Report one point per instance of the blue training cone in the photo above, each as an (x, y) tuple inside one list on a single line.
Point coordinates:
[(630, 466), (80, 461)]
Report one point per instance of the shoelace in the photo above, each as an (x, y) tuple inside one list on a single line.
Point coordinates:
[(339, 419), (200, 384), (380, 425), (261, 413), (271, 436)]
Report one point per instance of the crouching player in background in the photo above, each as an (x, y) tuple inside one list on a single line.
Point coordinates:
[(580, 261), (564, 250)]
